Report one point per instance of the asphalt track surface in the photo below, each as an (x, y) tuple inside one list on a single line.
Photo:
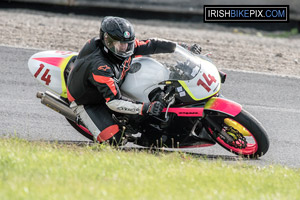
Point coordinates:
[(273, 100)]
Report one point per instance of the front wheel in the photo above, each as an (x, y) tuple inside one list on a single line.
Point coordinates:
[(242, 134)]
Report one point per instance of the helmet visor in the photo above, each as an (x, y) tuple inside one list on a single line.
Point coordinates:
[(120, 48)]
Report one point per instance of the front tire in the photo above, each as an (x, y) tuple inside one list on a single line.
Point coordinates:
[(250, 138)]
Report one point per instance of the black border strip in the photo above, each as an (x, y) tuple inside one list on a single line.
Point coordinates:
[(287, 7)]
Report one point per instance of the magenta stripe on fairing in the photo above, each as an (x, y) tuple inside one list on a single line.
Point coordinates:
[(51, 60), (186, 112)]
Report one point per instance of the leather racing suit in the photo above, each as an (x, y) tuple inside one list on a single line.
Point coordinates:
[(94, 82)]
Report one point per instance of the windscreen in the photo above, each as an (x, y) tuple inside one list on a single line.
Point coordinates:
[(182, 64)]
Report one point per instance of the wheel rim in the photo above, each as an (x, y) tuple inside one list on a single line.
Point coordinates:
[(249, 148)]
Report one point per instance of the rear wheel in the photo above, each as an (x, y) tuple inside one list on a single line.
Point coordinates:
[(242, 134), (82, 130)]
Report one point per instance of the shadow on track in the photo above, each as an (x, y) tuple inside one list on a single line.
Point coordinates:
[(158, 151)]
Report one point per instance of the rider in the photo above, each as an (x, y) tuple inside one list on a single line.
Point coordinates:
[(99, 70)]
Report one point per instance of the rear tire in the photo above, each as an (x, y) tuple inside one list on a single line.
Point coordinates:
[(256, 134), (82, 132)]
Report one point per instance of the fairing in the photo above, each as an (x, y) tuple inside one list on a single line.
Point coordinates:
[(201, 78), (48, 68), (194, 77), (184, 70)]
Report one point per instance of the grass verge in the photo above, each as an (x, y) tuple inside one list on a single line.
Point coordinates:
[(285, 34), (37, 170)]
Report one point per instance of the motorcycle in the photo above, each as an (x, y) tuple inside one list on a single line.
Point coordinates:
[(196, 114)]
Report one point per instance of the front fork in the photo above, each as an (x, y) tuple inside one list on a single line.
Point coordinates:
[(223, 107), (218, 130)]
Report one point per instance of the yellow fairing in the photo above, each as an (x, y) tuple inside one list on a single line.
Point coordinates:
[(63, 66), (237, 126), (186, 88)]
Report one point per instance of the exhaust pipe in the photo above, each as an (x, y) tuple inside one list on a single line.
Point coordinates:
[(55, 103)]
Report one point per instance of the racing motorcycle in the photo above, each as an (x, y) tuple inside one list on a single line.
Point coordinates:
[(195, 115)]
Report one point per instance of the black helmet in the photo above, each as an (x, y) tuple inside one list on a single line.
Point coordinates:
[(117, 36)]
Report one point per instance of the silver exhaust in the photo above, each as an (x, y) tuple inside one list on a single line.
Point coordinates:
[(55, 103)]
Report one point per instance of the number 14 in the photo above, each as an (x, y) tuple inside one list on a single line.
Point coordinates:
[(46, 77), (209, 80)]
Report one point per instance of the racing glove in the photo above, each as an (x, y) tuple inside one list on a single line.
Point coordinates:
[(195, 48), (153, 108)]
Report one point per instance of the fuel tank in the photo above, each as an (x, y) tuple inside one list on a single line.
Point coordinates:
[(144, 75)]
